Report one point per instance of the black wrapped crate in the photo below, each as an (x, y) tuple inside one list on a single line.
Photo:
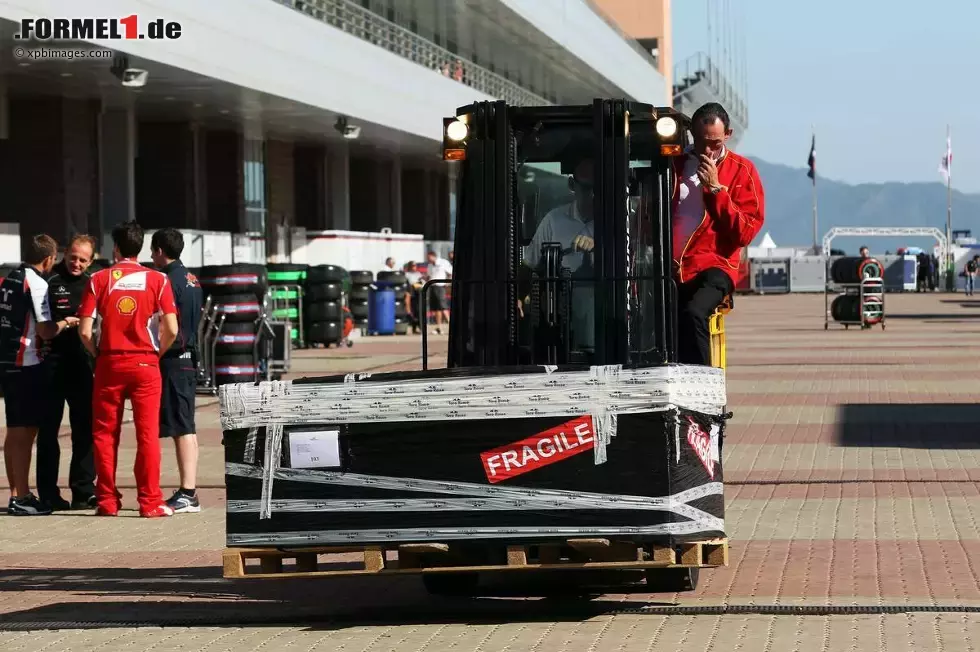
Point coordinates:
[(516, 454)]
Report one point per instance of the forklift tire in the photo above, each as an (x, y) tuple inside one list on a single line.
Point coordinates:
[(672, 580), (450, 583), (331, 291)]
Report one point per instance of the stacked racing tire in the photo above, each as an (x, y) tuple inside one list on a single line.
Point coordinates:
[(286, 281), (324, 304), (360, 291), (238, 293), (853, 269)]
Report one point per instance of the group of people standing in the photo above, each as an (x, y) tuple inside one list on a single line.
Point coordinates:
[(94, 340)]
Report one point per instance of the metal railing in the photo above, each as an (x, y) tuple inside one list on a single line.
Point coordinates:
[(369, 26), (699, 69)]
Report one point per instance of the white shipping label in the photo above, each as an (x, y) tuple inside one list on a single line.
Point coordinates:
[(314, 449)]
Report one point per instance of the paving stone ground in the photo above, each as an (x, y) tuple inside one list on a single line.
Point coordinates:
[(851, 467)]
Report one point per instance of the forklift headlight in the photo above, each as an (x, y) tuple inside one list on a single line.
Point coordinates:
[(457, 131), (666, 127)]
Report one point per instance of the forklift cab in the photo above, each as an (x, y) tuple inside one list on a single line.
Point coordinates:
[(563, 234)]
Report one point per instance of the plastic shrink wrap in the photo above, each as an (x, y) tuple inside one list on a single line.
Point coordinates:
[(517, 453)]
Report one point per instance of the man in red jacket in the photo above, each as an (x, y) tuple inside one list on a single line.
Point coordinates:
[(139, 320), (718, 209)]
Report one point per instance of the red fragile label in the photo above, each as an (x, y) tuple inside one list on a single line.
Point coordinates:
[(552, 445), (700, 441)]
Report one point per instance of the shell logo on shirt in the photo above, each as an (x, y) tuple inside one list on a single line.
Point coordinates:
[(126, 305)]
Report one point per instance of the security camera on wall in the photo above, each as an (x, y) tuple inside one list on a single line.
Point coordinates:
[(348, 131), (129, 77)]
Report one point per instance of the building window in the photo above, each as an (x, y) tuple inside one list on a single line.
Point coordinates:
[(256, 207)]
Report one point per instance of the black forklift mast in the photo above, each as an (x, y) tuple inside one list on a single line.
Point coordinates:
[(633, 297)]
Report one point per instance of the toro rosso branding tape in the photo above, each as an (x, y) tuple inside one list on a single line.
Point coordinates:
[(466, 496), (602, 393)]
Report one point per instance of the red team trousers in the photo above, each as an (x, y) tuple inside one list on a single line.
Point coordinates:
[(117, 377)]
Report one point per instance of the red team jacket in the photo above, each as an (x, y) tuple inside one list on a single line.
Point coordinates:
[(732, 219), (130, 299)]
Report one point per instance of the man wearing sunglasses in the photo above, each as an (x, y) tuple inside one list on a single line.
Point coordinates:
[(719, 208)]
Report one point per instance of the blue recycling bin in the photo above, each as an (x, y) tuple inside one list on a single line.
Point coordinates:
[(381, 308)]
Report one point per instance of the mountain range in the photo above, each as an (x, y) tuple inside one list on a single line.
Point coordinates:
[(789, 208)]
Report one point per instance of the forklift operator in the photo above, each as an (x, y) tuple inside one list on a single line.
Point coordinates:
[(571, 225), (719, 208)]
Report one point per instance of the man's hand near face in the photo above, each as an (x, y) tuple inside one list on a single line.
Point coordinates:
[(708, 173)]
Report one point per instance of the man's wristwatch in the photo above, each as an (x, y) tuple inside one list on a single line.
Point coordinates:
[(716, 189)]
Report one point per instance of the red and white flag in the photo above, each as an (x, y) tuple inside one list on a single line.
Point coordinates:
[(947, 162)]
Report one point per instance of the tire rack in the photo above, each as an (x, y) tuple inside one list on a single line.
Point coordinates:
[(209, 331), (268, 332), (279, 305), (873, 288)]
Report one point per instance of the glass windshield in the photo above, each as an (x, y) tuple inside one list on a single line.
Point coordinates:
[(555, 201)]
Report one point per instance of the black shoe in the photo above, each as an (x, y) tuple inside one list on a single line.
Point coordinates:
[(27, 505), (84, 503), (56, 504)]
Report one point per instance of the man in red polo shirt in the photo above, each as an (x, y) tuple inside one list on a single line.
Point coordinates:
[(719, 208), (139, 320)]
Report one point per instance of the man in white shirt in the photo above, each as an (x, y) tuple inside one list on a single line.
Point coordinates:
[(25, 320), (571, 225), (439, 269)]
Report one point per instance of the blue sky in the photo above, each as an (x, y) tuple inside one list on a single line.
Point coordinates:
[(878, 80)]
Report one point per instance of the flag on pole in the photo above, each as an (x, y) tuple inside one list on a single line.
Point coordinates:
[(812, 161), (947, 162)]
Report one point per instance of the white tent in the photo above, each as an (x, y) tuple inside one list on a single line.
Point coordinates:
[(767, 242)]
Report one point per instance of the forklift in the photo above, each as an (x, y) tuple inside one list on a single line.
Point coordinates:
[(563, 235), (563, 243), (562, 282)]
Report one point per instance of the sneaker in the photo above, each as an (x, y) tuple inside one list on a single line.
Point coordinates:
[(28, 505), (184, 503), (84, 503), (56, 504), (160, 511), (104, 511)]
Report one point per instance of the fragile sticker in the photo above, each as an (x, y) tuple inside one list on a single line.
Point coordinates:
[(705, 445), (553, 445)]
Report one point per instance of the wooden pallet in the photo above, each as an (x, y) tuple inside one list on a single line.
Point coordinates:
[(414, 558)]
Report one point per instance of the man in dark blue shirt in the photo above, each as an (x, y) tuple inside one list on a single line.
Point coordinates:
[(70, 368), (178, 367)]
